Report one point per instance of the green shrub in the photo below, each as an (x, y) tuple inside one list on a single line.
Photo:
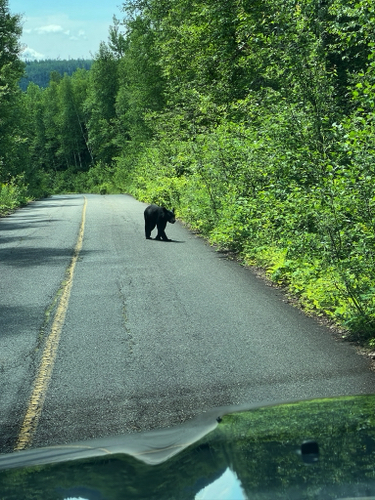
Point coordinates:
[(12, 195)]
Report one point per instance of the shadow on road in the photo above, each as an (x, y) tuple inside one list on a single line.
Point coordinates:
[(23, 224), (50, 205), (11, 239), (16, 320), (42, 256), (169, 241)]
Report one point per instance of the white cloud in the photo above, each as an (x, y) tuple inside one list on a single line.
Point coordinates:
[(29, 54), (81, 35), (51, 28), (60, 36)]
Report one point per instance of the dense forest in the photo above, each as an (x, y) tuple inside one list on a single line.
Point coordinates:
[(39, 72), (254, 119)]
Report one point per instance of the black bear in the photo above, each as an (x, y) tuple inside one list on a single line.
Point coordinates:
[(158, 216)]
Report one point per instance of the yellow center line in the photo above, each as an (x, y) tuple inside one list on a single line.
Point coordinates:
[(35, 406)]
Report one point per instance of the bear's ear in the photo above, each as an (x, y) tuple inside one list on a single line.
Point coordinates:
[(173, 210)]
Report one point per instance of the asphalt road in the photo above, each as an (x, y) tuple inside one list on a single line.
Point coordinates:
[(152, 333)]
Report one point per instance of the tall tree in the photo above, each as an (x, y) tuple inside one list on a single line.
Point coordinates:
[(100, 105), (11, 69), (141, 81), (70, 121)]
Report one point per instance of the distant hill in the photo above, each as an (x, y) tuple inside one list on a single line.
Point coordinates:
[(39, 72)]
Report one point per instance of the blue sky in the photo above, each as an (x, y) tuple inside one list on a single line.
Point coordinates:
[(67, 29)]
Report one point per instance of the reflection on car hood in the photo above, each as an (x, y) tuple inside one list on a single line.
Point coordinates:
[(301, 450), (152, 447)]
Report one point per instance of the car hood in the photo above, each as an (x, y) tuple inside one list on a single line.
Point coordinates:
[(322, 448)]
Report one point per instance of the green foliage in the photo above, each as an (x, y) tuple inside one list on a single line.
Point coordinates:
[(99, 179), (153, 182), (57, 129), (12, 195)]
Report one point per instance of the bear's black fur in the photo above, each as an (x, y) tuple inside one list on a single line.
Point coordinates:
[(158, 216)]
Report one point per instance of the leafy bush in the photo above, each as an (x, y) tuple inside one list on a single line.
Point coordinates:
[(12, 195)]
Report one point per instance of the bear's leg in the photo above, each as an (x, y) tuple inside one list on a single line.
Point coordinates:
[(161, 232), (148, 228)]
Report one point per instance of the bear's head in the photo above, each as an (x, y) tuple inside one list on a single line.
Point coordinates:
[(169, 215)]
